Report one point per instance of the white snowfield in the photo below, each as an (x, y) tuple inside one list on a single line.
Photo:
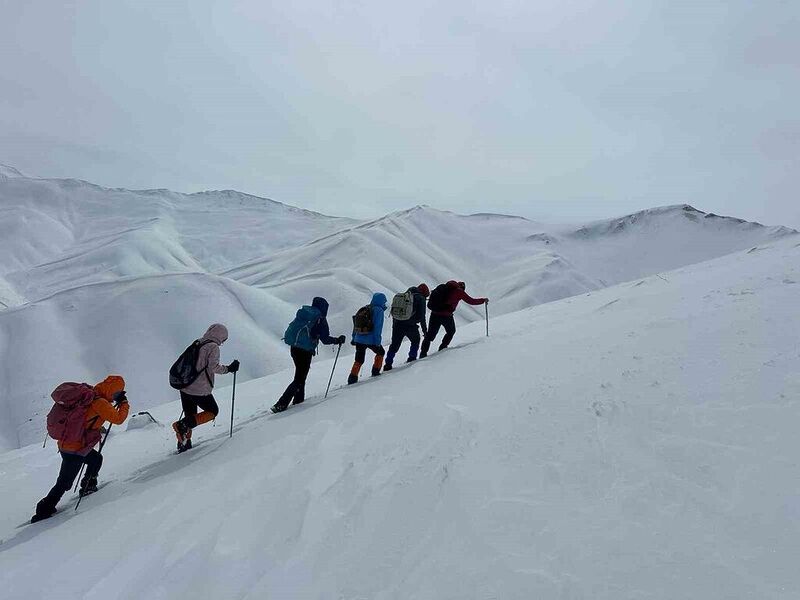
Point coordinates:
[(96, 280), (636, 442)]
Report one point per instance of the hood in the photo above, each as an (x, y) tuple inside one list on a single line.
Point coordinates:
[(216, 333), (378, 299), (321, 305), (110, 386)]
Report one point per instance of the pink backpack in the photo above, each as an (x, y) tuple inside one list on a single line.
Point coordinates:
[(66, 421)]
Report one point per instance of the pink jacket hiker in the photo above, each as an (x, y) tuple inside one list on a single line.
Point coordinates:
[(208, 361)]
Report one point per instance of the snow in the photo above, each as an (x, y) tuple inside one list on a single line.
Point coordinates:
[(638, 441), (96, 280)]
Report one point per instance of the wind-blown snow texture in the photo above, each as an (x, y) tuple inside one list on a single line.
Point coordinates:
[(634, 442), (96, 280)]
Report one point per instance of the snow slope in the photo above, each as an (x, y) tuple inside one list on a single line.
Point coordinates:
[(94, 279), (634, 442)]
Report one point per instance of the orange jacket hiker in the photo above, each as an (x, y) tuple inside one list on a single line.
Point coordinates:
[(101, 410)]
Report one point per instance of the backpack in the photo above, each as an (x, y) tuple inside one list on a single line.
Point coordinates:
[(403, 306), (66, 421), (184, 371), (362, 320), (298, 333), (438, 300)]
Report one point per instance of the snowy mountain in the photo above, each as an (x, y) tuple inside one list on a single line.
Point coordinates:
[(96, 280), (637, 441)]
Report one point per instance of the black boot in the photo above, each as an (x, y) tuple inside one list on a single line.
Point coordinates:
[(44, 510), (279, 407), (88, 486)]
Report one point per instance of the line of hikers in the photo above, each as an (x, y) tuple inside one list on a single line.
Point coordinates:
[(80, 411)]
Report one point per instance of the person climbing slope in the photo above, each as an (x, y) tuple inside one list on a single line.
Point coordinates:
[(443, 303), (408, 314), (367, 332), (309, 327), (76, 420), (197, 394)]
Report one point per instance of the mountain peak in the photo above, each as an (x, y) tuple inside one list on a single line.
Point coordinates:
[(8, 172)]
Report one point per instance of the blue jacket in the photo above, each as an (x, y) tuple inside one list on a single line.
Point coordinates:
[(321, 331), (373, 338)]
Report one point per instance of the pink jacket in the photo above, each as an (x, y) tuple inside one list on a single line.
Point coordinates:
[(208, 361)]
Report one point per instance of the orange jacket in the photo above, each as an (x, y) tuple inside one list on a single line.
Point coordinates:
[(101, 410)]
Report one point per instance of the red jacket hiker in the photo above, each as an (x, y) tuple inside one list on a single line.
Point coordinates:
[(455, 295), (442, 314)]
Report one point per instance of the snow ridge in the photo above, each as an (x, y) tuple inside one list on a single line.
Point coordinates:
[(87, 269)]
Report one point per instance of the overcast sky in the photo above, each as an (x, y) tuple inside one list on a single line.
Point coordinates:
[(553, 109)]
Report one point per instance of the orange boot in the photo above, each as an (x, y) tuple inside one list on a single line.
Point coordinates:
[(377, 365), (205, 417), (353, 377)]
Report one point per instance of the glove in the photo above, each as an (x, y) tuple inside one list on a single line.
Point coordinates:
[(341, 339), (233, 367), (119, 397)]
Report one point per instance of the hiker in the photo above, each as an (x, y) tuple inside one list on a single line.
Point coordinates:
[(76, 420), (443, 302), (309, 327), (408, 310), (198, 393), (367, 330)]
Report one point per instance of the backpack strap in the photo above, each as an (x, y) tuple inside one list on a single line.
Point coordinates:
[(205, 369)]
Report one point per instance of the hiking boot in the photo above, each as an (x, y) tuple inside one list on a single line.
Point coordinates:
[(43, 511), (411, 359), (375, 372), (181, 431), (387, 367), (278, 407), (351, 379), (88, 486), (187, 445)]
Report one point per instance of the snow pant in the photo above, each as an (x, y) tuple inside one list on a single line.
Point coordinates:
[(70, 467), (436, 322), (190, 405), (361, 355), (400, 331), (296, 391)]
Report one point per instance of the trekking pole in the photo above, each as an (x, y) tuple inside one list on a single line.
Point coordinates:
[(332, 370), (44, 443), (486, 306), (233, 401), (99, 451)]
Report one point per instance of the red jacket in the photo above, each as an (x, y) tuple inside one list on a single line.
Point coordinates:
[(455, 296)]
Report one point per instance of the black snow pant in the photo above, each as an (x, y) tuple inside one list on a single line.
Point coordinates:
[(190, 404), (400, 331), (297, 389), (434, 323), (70, 467)]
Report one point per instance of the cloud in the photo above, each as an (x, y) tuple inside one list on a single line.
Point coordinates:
[(564, 109)]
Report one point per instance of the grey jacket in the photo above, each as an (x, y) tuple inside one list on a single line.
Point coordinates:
[(208, 361)]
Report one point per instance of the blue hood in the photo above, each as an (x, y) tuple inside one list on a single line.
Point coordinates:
[(321, 305), (379, 299)]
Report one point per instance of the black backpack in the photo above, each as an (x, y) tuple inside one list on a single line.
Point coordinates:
[(184, 372), (362, 320), (438, 299)]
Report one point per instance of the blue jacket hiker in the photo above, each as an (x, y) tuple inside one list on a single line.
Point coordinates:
[(367, 333), (309, 327)]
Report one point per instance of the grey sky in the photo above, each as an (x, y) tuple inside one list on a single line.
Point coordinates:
[(553, 109)]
